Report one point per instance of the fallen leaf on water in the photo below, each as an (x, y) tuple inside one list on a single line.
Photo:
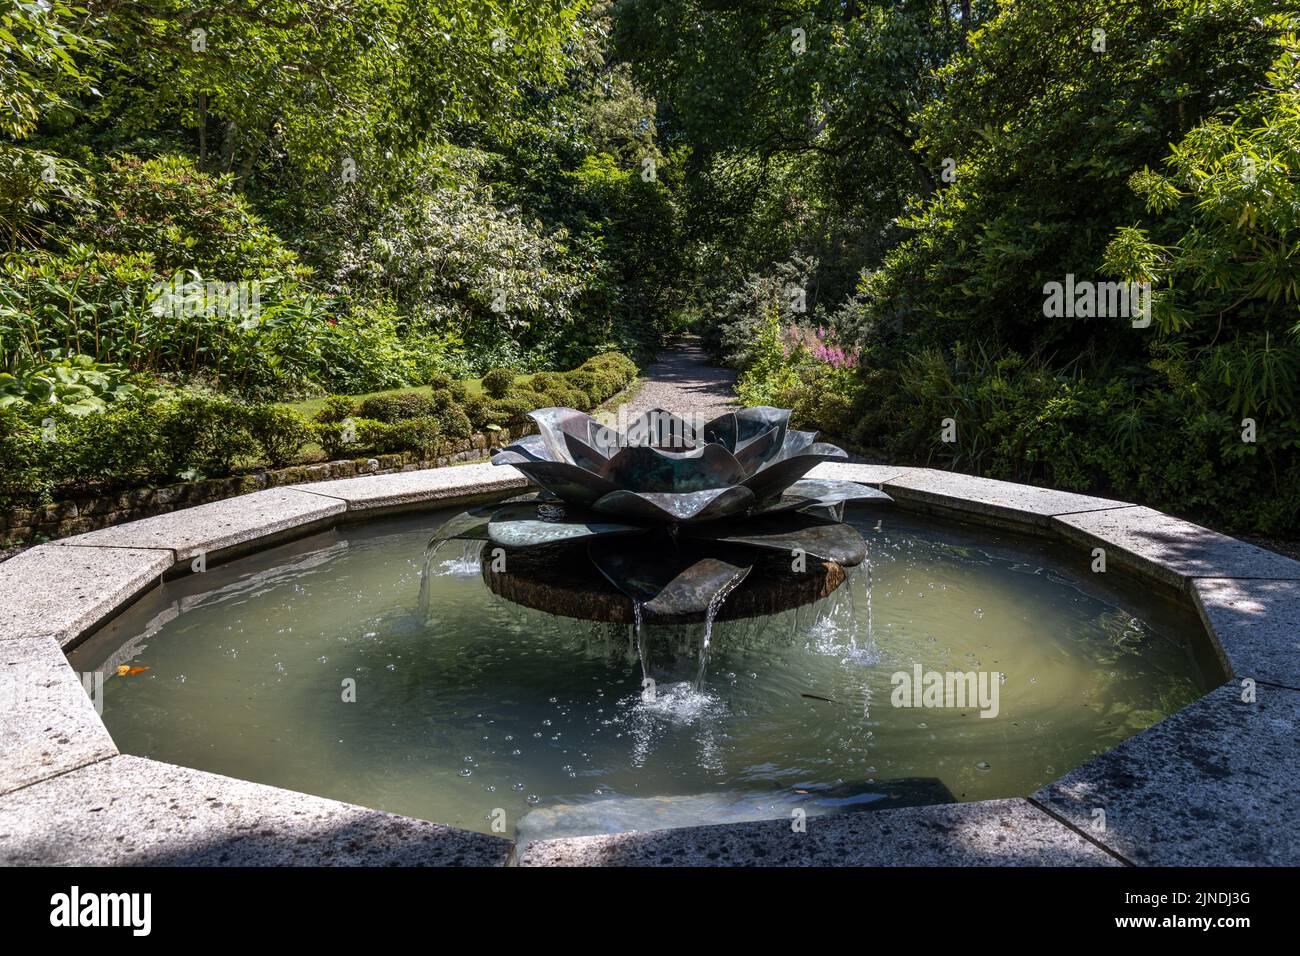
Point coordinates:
[(126, 670)]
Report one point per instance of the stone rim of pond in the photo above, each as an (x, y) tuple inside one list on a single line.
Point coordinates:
[(63, 763)]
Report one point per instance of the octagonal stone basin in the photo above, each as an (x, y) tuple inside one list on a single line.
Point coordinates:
[(1211, 784), (312, 666)]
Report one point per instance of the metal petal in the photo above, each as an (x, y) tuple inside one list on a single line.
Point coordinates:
[(524, 526), (796, 443), (758, 451), (659, 428), (639, 468), (570, 482), (554, 423), (721, 431), (754, 421), (585, 456), (529, 448), (780, 475), (829, 491), (667, 507), (815, 537), (667, 581)]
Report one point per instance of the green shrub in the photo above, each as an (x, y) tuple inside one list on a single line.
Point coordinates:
[(205, 432), (336, 439), (22, 457), (396, 408), (545, 381), (478, 410), (281, 433), (184, 218), (454, 423), (440, 380), (566, 396), (442, 399), (336, 409), (508, 411), (498, 382), (421, 436)]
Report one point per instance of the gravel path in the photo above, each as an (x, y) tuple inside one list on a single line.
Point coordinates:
[(683, 380)]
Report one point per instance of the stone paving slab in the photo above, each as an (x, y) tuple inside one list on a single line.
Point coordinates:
[(48, 724), (411, 487), (1004, 500), (1212, 785), (218, 525), (990, 833), (864, 474), (60, 591), (1173, 550), (1257, 625), (129, 811)]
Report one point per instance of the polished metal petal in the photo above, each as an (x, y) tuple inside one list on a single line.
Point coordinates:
[(660, 428), (528, 525), (754, 421), (758, 451), (664, 507), (555, 423), (668, 581), (796, 443), (586, 456), (780, 475), (638, 468), (815, 537), (529, 448), (829, 491), (570, 482), (786, 502), (721, 431)]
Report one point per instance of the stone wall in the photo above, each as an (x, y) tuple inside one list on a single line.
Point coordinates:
[(22, 526)]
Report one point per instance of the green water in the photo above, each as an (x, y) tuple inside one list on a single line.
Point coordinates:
[(490, 713)]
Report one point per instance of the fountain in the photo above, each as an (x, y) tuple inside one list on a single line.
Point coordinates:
[(677, 626), (667, 521)]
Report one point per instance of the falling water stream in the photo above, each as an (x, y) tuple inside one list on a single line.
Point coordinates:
[(354, 665)]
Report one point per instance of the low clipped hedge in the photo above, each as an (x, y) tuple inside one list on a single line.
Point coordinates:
[(157, 437)]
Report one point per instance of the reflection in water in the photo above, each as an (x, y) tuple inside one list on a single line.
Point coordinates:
[(571, 726)]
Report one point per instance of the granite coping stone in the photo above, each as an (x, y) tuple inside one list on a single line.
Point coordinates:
[(989, 833), (1256, 625), (1005, 500), (1208, 784), (48, 724), (218, 525), (1212, 785), (133, 811), (63, 591), (866, 474), (411, 487), (1172, 550)]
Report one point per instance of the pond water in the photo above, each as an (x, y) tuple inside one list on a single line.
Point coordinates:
[(310, 666)]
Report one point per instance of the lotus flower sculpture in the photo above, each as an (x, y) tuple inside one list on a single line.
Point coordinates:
[(673, 515)]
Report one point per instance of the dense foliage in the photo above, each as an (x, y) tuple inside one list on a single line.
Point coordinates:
[(861, 205), (881, 217), (81, 443)]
